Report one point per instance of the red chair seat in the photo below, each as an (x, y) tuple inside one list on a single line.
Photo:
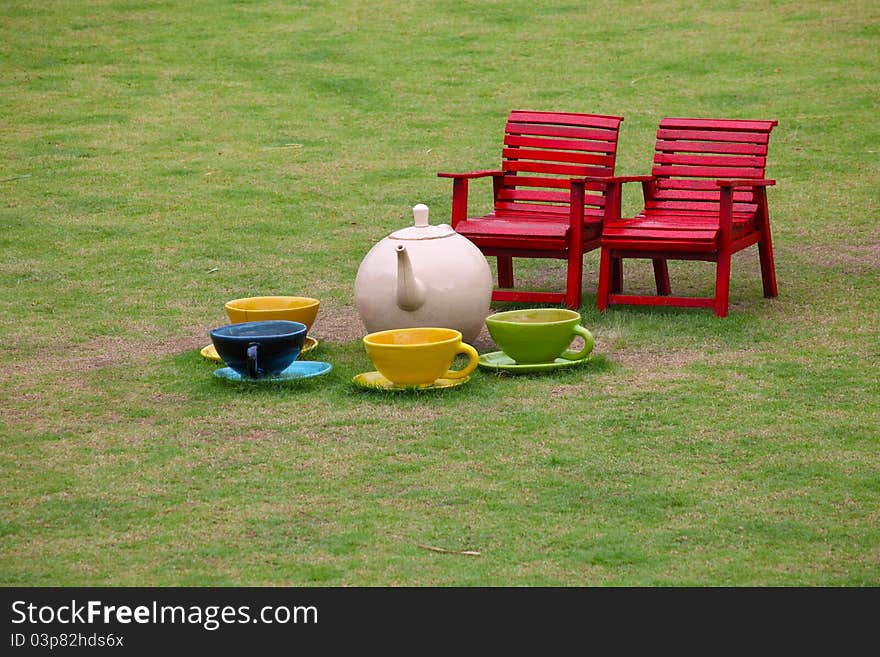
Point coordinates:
[(647, 239), (518, 228)]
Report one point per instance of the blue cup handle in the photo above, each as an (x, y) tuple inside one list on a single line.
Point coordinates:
[(252, 366)]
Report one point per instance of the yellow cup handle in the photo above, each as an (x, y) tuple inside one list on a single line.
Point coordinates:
[(588, 345), (473, 357)]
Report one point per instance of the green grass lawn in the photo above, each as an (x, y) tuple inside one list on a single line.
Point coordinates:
[(160, 158)]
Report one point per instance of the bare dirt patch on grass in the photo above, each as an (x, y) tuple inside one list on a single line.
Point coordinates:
[(851, 258), (654, 362), (642, 369), (254, 435), (338, 324), (107, 351)]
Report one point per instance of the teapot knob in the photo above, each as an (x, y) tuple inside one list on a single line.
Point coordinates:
[(420, 214)]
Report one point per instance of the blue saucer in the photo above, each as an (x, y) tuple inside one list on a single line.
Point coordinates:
[(299, 369)]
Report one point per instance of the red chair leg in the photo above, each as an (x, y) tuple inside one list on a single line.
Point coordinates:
[(616, 275), (505, 271), (722, 284), (661, 277), (603, 292), (768, 269), (575, 277)]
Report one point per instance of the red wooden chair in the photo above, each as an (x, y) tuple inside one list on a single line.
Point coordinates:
[(543, 206), (704, 200)]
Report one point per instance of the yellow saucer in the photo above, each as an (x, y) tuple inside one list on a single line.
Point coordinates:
[(375, 381), (210, 353)]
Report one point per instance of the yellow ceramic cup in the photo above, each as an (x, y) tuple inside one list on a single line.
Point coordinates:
[(255, 309), (419, 356)]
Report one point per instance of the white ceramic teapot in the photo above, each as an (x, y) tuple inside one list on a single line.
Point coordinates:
[(424, 275)]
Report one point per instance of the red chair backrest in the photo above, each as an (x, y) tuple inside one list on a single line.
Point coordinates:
[(543, 150), (691, 154)]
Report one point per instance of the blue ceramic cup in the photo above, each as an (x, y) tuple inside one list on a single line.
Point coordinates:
[(259, 349)]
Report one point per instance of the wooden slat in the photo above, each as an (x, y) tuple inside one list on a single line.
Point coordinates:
[(752, 237), (500, 227), (708, 255), (522, 251), (558, 156), (520, 182), (543, 196), (594, 120), (685, 217), (747, 125), (686, 183), (708, 198), (710, 160), (522, 206), (570, 170), (707, 172), (648, 245), (531, 194), (698, 195), (698, 206), (561, 183), (709, 135), (533, 244), (525, 296), (560, 144), (658, 223), (520, 213), (595, 134), (539, 247), (613, 232), (594, 200), (536, 181), (505, 207), (712, 147), (692, 205), (640, 300)]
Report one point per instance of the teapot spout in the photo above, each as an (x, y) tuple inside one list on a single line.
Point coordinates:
[(410, 290)]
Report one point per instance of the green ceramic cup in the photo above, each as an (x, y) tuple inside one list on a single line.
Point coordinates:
[(539, 335)]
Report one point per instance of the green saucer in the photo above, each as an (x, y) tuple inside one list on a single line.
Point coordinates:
[(498, 360)]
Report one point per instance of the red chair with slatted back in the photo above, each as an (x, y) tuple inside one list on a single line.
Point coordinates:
[(543, 206), (704, 200)]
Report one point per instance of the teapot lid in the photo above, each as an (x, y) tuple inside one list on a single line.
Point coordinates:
[(422, 230)]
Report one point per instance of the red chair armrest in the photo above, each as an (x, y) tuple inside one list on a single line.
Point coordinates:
[(618, 179), (745, 183), (471, 174), (460, 190), (614, 190)]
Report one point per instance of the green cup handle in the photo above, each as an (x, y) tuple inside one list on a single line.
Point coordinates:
[(588, 345), (473, 358)]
